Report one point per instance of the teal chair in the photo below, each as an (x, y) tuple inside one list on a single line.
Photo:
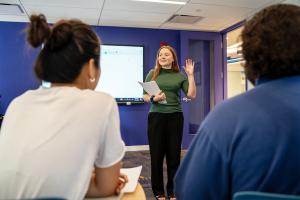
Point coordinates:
[(47, 198), (44, 198), (263, 196)]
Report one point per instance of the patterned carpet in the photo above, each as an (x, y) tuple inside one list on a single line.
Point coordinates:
[(136, 158)]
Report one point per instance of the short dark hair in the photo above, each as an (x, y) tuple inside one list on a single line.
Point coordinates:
[(68, 44), (271, 43)]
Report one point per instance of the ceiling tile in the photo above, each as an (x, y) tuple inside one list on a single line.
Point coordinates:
[(189, 27), (294, 2), (90, 21), (120, 23), (236, 3), (128, 5), (111, 15), (213, 11), (66, 3), (10, 1), (218, 14), (63, 12), (215, 24)]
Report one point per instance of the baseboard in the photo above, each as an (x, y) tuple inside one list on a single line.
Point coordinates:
[(137, 148)]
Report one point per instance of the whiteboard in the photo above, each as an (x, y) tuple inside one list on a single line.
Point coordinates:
[(121, 70)]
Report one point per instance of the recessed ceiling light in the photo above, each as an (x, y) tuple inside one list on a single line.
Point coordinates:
[(162, 1)]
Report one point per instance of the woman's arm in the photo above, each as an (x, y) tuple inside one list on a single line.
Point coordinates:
[(146, 98), (189, 70), (159, 97), (106, 181)]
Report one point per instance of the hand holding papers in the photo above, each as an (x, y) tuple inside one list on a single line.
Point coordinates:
[(152, 88), (133, 176)]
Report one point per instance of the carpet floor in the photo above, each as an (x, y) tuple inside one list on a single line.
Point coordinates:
[(137, 158)]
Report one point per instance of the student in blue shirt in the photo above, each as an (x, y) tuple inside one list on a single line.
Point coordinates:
[(251, 142)]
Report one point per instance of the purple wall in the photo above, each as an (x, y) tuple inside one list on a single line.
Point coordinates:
[(216, 40), (16, 61)]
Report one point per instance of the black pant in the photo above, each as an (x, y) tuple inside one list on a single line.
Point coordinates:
[(165, 136)]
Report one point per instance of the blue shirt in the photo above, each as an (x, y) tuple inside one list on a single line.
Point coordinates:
[(250, 142)]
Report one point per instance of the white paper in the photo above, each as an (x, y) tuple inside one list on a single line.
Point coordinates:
[(152, 88), (133, 175)]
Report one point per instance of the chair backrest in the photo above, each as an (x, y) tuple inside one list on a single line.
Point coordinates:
[(263, 196), (47, 198)]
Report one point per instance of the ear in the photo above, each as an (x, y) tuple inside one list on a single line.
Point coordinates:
[(92, 69)]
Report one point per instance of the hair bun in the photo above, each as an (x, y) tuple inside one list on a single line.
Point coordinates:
[(38, 30), (61, 36)]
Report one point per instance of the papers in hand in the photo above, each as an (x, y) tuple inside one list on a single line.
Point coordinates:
[(152, 88), (133, 175)]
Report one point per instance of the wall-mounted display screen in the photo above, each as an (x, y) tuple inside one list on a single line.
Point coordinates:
[(121, 69)]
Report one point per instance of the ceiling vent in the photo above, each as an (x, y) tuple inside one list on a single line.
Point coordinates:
[(11, 9), (185, 19)]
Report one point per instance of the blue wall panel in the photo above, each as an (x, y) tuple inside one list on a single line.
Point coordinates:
[(16, 63)]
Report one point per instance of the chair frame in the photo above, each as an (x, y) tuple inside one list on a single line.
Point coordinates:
[(253, 195)]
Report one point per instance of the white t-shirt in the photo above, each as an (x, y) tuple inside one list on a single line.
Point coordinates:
[(51, 139)]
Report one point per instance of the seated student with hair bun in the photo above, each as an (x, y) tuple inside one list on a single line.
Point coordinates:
[(63, 141)]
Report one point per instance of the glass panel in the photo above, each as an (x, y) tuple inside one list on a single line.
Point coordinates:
[(236, 80)]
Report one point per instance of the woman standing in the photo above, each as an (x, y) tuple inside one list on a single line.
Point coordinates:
[(165, 120)]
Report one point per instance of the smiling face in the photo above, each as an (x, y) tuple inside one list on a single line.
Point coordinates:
[(165, 57)]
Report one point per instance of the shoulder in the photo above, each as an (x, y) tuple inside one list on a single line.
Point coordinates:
[(179, 76), (229, 114), (97, 95), (150, 73), (225, 122), (240, 106), (23, 98), (182, 75), (238, 115), (98, 98), (228, 110)]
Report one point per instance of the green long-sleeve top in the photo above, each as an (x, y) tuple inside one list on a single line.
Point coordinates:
[(170, 83)]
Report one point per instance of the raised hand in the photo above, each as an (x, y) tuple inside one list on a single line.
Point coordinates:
[(189, 67)]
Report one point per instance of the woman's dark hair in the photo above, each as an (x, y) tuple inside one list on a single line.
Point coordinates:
[(271, 43), (68, 44)]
